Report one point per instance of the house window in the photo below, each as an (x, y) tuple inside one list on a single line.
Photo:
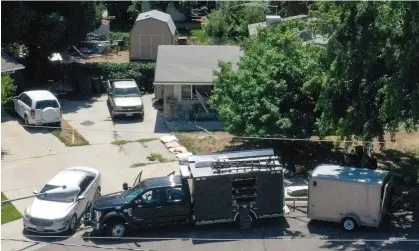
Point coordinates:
[(188, 92)]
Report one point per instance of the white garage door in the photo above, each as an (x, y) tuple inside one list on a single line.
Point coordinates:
[(145, 46)]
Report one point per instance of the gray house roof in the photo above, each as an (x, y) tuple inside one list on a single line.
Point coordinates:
[(8, 64), (158, 15), (192, 64)]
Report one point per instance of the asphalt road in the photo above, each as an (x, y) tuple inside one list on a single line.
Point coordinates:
[(294, 233)]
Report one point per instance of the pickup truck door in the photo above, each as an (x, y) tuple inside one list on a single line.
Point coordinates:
[(148, 208), (176, 206)]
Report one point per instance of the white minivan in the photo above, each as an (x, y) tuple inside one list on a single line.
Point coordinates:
[(38, 107)]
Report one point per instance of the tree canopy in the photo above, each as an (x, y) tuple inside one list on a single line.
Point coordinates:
[(272, 92), (46, 27), (232, 19), (364, 82)]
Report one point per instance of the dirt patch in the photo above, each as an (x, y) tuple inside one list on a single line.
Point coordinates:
[(69, 136), (122, 57), (401, 155), (198, 142)]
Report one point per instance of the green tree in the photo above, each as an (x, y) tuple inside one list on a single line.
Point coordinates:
[(274, 90), (8, 88), (373, 70), (232, 19), (46, 27)]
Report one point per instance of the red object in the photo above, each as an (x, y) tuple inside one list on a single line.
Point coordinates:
[(33, 113), (197, 20)]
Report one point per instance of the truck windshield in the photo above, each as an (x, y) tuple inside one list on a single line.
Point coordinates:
[(132, 193), (126, 92)]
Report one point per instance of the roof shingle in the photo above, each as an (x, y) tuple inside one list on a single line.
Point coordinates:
[(192, 63), (8, 64)]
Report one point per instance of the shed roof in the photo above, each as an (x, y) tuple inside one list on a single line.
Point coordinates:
[(350, 174), (158, 15), (192, 64), (8, 64)]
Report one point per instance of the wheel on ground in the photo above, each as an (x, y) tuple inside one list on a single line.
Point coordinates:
[(349, 224), (251, 218), (26, 120), (116, 228), (73, 224)]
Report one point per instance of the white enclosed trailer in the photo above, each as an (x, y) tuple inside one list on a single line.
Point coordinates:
[(350, 196)]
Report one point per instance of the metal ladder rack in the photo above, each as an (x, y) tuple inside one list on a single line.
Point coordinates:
[(223, 166)]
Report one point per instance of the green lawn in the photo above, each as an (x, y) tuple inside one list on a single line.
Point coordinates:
[(8, 212)]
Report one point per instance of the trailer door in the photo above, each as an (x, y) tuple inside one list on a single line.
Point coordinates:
[(385, 199)]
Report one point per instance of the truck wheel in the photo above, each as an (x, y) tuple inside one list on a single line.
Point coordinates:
[(251, 218), (349, 224), (116, 228), (26, 120)]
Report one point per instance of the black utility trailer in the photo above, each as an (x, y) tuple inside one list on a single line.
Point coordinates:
[(235, 186)]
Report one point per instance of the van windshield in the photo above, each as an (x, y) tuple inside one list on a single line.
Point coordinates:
[(46, 103)]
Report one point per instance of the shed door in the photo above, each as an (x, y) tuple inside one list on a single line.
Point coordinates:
[(145, 46), (155, 42)]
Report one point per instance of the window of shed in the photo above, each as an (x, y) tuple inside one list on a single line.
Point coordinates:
[(186, 92)]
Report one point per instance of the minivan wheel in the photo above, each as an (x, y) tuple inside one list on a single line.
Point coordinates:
[(117, 228), (349, 224)]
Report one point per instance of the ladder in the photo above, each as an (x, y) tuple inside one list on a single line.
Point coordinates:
[(223, 166)]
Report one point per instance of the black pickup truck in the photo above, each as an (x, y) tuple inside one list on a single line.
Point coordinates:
[(226, 187)]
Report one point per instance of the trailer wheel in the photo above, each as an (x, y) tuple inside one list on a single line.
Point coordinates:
[(349, 224)]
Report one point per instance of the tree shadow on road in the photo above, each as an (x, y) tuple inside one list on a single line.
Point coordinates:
[(397, 225)]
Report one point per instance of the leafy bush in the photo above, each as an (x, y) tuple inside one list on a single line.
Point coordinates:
[(123, 37), (77, 73), (8, 88)]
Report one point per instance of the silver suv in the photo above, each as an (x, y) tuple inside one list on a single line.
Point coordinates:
[(124, 98)]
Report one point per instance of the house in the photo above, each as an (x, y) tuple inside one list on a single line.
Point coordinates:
[(9, 65), (151, 29), (182, 71)]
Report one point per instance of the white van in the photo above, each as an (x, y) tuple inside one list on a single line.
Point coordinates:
[(350, 196), (38, 108)]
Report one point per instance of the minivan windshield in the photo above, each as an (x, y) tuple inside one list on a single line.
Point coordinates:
[(127, 92), (132, 193), (42, 104)]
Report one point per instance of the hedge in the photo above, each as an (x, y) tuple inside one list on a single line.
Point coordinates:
[(80, 74), (123, 37)]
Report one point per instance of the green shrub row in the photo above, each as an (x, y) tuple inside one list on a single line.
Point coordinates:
[(78, 73), (123, 37)]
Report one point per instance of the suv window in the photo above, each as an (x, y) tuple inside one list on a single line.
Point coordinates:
[(151, 196), (46, 103), (174, 194), (85, 183), (26, 99)]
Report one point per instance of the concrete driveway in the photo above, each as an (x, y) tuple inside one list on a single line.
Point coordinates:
[(31, 157)]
